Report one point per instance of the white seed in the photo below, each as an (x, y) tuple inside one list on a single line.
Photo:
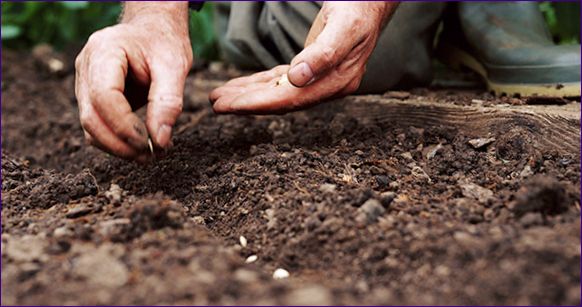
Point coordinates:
[(243, 241), (280, 274), (283, 80), (55, 65), (251, 259), (151, 145)]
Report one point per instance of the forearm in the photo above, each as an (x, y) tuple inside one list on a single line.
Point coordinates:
[(175, 12)]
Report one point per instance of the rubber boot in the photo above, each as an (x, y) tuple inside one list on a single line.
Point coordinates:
[(510, 46)]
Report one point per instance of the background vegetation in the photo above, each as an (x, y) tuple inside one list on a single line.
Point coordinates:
[(63, 23), (67, 23)]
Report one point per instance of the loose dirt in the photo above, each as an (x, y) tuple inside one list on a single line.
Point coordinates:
[(357, 211)]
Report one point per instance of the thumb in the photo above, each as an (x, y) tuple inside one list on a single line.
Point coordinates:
[(165, 102), (330, 47)]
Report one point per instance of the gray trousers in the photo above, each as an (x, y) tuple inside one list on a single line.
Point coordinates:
[(261, 35)]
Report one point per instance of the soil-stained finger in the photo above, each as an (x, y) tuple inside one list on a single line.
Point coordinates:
[(117, 115), (104, 138)]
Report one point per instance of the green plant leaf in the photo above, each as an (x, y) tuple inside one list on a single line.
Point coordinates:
[(75, 5), (10, 31)]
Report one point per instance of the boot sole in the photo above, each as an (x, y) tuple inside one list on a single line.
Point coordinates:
[(459, 59)]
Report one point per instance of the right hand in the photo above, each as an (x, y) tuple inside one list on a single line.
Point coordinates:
[(124, 67)]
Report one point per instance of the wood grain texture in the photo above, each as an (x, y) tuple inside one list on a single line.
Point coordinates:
[(551, 127)]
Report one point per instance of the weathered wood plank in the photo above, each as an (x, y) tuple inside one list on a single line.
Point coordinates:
[(551, 127)]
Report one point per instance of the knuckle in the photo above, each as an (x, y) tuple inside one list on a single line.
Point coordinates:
[(328, 55), (168, 106), (353, 85), (100, 35)]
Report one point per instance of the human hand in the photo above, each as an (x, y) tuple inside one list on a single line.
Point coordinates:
[(332, 63), (143, 60)]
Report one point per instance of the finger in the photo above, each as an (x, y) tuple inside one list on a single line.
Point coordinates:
[(225, 91), (238, 90), (315, 29), (263, 76), (106, 75), (329, 48), (279, 99), (97, 133), (165, 102)]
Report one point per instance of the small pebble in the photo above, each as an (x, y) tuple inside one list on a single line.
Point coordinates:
[(280, 274), (243, 241), (78, 210), (481, 142), (370, 211), (327, 187), (477, 192), (61, 232), (114, 193), (251, 259), (526, 172)]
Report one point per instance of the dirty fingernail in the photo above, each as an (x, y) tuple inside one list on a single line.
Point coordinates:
[(140, 128), (139, 139), (300, 74), (164, 135)]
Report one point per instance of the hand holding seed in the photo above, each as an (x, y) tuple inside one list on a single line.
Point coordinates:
[(284, 80), (142, 61), (332, 64)]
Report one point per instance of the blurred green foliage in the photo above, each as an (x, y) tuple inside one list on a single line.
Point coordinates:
[(61, 24), (563, 19)]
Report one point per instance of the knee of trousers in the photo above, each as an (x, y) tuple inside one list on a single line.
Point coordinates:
[(403, 55)]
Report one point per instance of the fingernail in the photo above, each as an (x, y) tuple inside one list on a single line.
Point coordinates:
[(140, 128), (164, 135), (300, 74), (138, 140)]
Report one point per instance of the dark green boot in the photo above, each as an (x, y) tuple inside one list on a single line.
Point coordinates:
[(509, 45)]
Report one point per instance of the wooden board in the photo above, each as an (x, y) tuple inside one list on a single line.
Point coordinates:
[(552, 127)]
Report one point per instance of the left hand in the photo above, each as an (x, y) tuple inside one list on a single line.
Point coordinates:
[(332, 63)]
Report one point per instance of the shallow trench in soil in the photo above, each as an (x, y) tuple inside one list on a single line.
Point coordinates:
[(358, 205)]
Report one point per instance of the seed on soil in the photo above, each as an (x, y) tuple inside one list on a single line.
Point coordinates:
[(243, 241), (280, 274), (251, 259)]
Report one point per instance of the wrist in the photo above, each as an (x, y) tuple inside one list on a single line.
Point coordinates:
[(389, 9), (173, 13)]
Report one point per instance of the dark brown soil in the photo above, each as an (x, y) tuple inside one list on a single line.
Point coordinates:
[(358, 212)]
